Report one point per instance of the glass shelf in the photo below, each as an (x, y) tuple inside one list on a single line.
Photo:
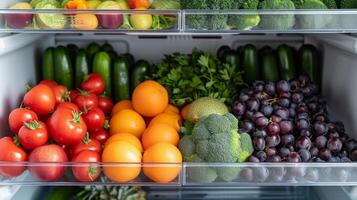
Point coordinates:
[(187, 174)]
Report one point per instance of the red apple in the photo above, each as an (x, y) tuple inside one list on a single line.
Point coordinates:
[(19, 20), (110, 21)]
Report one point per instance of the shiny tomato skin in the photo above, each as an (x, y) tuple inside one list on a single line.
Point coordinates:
[(11, 153), (106, 104), (61, 93), (73, 94), (94, 119), (90, 145), (40, 99), (33, 134), (49, 83), (67, 127), (68, 105), (94, 84), (18, 116), (86, 101), (48, 154), (102, 136), (86, 172), (139, 4)]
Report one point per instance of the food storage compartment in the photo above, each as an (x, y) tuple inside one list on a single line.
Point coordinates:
[(269, 21), (82, 174)]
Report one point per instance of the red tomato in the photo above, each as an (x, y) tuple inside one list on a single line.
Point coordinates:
[(139, 4), (86, 101), (40, 99), (86, 172), (101, 135), (94, 119), (94, 84), (73, 94), (33, 134), (67, 127), (18, 116), (11, 153), (49, 154), (106, 104), (68, 105), (49, 83), (61, 94), (87, 144)]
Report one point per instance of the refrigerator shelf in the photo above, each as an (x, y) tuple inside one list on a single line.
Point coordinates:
[(191, 174), (168, 22)]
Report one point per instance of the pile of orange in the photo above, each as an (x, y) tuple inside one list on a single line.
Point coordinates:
[(145, 130)]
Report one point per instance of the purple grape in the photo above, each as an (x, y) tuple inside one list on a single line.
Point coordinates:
[(256, 115), (282, 86), (303, 142), (306, 91), (305, 155), (243, 97), (267, 110), (273, 129), (270, 89), (285, 95), (320, 142), (333, 135), (351, 144), (302, 124), (283, 152), (284, 102), (334, 145), (325, 154), (286, 127), (247, 174), (294, 157), (261, 155), (304, 80), (276, 119), (238, 108), (343, 154), (303, 115), (246, 126), (270, 151), (260, 95), (248, 115), (272, 141), (312, 107), (258, 86), (259, 133), (291, 148), (252, 105), (259, 143), (302, 109), (320, 128), (294, 84), (320, 118), (314, 151), (297, 98), (253, 159), (282, 112), (274, 158), (305, 132), (292, 112), (287, 139)]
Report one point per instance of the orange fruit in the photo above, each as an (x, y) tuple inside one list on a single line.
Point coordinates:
[(150, 98), (171, 109), (122, 105), (184, 111), (85, 21), (162, 153), (122, 154), (126, 137), (157, 133), (173, 120), (127, 121)]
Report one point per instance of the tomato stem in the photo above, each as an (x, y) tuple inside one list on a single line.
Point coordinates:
[(32, 125), (76, 116), (86, 139), (106, 125)]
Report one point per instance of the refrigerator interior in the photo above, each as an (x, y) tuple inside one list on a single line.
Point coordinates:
[(20, 61)]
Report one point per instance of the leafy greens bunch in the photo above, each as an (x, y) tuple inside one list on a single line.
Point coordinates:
[(199, 74)]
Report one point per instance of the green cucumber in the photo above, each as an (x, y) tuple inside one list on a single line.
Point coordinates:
[(61, 193), (81, 68), (309, 62), (106, 47), (72, 50), (91, 50), (129, 58), (231, 57), (222, 51), (121, 79), (63, 67), (270, 70), (140, 71), (250, 64), (286, 60), (48, 68), (102, 66)]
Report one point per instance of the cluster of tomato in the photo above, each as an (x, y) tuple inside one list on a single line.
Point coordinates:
[(55, 125)]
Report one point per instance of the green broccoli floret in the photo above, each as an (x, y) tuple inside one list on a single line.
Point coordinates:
[(196, 21), (331, 4), (244, 22), (298, 3), (228, 173), (200, 174), (313, 21), (277, 22), (348, 4), (219, 21), (215, 138)]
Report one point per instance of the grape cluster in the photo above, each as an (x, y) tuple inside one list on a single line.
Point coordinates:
[(288, 122)]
